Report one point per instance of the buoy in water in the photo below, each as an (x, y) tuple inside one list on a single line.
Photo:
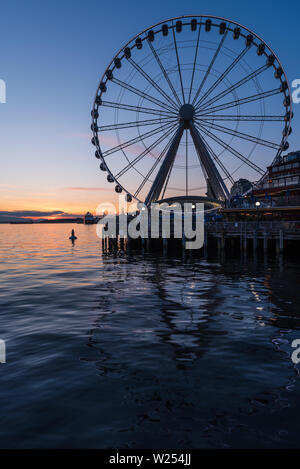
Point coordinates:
[(73, 237)]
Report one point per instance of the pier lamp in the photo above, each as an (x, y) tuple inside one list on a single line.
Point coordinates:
[(257, 204)]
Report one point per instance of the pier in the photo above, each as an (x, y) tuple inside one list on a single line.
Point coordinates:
[(221, 236)]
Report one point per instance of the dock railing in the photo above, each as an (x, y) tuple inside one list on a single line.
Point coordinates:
[(250, 226)]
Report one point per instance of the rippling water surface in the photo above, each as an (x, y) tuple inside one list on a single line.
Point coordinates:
[(144, 351)]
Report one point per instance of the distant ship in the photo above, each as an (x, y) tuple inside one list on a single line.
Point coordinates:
[(89, 219)]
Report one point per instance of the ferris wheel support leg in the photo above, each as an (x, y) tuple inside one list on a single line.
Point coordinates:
[(162, 174), (215, 183)]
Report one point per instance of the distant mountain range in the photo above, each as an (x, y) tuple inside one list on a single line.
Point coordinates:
[(28, 221), (25, 217)]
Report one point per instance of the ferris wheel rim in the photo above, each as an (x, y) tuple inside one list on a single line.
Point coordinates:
[(104, 79)]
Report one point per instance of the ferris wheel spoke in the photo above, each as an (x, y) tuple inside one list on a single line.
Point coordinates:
[(151, 170), (217, 159), (236, 133), (239, 102), (222, 76), (241, 157), (178, 64), (142, 94), (240, 117), (144, 153), (235, 86), (210, 67), (136, 139), (194, 65), (128, 125), (130, 107), (152, 82), (164, 72)]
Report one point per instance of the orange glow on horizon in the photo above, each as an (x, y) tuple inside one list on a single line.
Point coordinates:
[(69, 202), (72, 203)]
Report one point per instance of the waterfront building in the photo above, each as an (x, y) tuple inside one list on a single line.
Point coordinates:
[(281, 187)]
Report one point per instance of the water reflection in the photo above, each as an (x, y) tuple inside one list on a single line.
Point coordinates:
[(186, 303), (212, 322), (139, 350)]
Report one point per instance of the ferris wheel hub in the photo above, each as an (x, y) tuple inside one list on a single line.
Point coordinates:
[(187, 112)]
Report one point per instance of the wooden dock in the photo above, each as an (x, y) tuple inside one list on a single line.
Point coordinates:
[(222, 236)]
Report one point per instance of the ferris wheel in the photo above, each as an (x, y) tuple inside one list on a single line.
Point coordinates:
[(189, 106)]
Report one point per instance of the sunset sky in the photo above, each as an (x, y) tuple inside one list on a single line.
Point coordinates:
[(52, 56)]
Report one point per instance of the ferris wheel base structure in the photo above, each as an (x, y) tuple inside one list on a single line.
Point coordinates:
[(209, 204), (216, 189)]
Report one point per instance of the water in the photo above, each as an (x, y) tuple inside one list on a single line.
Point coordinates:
[(143, 351)]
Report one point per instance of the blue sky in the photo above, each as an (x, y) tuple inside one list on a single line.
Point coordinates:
[(52, 55)]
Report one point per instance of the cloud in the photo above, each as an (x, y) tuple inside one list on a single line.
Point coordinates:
[(103, 189), (112, 141), (27, 215), (30, 213)]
